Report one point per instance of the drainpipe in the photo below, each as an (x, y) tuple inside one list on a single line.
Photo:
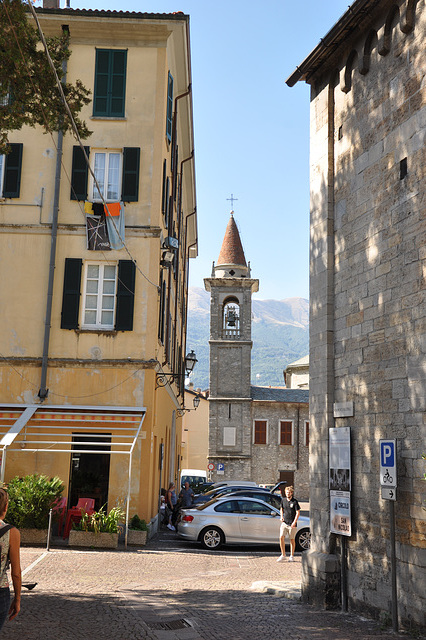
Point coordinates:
[(43, 392)]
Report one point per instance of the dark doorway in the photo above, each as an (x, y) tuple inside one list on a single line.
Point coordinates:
[(288, 477), (89, 474)]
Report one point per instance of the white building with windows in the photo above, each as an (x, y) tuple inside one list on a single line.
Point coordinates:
[(255, 433), (94, 256)]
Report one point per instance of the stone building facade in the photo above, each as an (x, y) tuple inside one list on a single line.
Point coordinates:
[(367, 307), (255, 433)]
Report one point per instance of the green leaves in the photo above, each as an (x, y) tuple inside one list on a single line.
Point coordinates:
[(30, 499), (137, 524), (100, 521), (28, 90)]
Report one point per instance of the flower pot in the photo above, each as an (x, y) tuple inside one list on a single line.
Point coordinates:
[(136, 537), (90, 539), (33, 536)]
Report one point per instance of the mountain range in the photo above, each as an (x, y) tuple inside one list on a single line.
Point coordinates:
[(280, 334)]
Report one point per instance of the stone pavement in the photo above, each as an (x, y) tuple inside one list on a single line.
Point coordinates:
[(173, 590)]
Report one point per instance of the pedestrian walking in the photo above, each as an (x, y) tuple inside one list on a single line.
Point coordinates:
[(10, 541), (290, 512)]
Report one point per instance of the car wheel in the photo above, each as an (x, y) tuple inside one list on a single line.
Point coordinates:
[(303, 540), (212, 538)]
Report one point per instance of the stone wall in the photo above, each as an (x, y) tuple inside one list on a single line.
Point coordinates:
[(271, 458), (368, 122)]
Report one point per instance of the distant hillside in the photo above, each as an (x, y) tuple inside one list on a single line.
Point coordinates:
[(280, 335)]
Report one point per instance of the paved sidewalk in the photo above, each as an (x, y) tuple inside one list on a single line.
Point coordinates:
[(171, 590)]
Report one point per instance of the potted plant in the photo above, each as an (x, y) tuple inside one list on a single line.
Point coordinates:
[(137, 531), (99, 529), (30, 500)]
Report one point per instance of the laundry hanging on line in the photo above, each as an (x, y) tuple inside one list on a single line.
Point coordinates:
[(105, 225)]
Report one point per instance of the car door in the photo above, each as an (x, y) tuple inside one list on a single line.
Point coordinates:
[(256, 522)]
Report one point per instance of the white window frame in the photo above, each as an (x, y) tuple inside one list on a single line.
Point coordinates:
[(2, 166), (98, 325), (279, 432), (254, 431), (92, 187)]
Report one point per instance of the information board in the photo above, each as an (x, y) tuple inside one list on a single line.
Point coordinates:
[(340, 480)]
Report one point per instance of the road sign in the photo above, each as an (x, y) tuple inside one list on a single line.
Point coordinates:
[(210, 466), (388, 493), (220, 468), (388, 463)]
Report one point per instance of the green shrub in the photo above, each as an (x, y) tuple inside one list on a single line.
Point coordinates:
[(137, 524), (100, 521), (30, 499)]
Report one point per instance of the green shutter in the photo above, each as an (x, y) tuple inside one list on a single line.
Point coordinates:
[(169, 123), (12, 172), (130, 181), (163, 197), (79, 173), (118, 82), (71, 293), (125, 295), (110, 82)]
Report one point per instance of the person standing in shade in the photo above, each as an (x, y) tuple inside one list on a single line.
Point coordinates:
[(171, 500), (290, 512), (10, 541), (186, 496)]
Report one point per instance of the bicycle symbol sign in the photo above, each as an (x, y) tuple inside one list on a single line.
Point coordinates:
[(388, 463)]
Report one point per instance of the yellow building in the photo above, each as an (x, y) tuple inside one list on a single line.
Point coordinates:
[(94, 297), (195, 435)]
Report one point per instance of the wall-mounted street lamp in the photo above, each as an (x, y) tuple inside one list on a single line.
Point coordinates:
[(195, 402), (165, 378)]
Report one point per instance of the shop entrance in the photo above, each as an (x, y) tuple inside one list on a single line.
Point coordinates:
[(89, 474)]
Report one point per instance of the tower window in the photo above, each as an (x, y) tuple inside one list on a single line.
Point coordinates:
[(403, 169), (231, 318)]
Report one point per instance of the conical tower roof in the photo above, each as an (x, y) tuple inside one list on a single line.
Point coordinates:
[(232, 252)]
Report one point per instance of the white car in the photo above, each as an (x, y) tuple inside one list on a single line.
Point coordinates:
[(237, 520)]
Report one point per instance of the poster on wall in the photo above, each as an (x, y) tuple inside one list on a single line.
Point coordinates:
[(340, 480)]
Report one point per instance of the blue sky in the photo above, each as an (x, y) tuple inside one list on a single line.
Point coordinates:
[(251, 130)]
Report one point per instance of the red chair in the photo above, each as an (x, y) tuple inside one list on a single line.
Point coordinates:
[(59, 509), (84, 505)]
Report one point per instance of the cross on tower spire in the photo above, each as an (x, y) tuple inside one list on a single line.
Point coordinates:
[(232, 199)]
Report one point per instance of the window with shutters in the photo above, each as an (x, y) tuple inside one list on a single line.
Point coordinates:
[(306, 433), (100, 299), (2, 163), (10, 172), (286, 432), (116, 170), (169, 121), (110, 83), (260, 429), (107, 167), (99, 296)]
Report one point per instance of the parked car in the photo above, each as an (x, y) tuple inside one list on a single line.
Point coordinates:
[(219, 491), (242, 483), (193, 476), (259, 494), (235, 520)]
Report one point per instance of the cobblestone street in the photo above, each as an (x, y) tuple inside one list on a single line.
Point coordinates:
[(169, 590)]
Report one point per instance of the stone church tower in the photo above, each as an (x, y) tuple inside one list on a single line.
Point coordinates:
[(230, 422)]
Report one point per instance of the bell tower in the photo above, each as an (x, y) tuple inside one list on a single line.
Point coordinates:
[(230, 424)]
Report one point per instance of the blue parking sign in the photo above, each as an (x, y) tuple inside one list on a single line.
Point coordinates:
[(388, 476), (220, 466), (387, 453)]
